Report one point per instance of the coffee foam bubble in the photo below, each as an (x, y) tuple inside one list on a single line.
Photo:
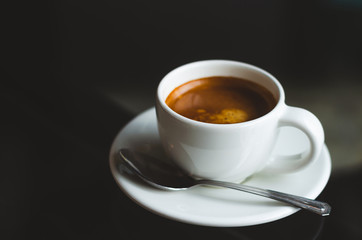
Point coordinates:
[(229, 115)]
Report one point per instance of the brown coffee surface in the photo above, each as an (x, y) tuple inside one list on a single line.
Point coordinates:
[(221, 100)]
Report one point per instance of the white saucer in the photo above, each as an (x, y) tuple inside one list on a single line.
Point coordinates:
[(213, 206)]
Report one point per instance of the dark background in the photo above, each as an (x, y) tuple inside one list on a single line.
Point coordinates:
[(74, 72)]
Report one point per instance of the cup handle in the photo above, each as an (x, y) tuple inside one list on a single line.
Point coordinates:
[(308, 123)]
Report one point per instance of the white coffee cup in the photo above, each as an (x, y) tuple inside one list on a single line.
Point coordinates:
[(232, 152)]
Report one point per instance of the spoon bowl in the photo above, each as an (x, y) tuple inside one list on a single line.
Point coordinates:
[(166, 176)]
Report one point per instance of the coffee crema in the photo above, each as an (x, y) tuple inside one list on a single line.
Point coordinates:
[(221, 100)]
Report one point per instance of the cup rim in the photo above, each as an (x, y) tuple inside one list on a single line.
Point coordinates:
[(179, 117)]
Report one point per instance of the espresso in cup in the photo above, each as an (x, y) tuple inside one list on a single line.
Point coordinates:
[(221, 100), (230, 94)]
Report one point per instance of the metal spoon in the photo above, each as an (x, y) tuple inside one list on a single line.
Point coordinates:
[(168, 177)]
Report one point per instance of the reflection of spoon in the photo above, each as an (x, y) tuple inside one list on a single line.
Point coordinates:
[(168, 177)]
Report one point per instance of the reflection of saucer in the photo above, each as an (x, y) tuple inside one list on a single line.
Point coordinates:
[(213, 206)]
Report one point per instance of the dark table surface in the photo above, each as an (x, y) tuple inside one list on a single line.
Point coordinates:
[(75, 72)]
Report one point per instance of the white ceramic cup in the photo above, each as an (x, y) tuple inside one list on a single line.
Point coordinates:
[(232, 152)]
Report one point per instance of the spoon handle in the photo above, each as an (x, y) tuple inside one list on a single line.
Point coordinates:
[(318, 207)]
